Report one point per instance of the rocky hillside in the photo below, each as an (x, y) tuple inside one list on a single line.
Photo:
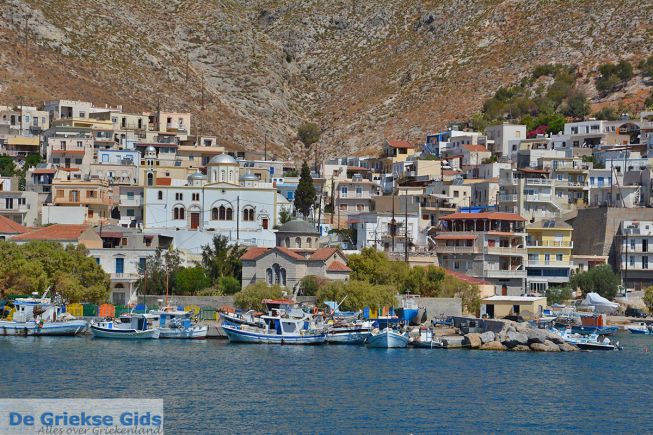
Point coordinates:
[(362, 70)]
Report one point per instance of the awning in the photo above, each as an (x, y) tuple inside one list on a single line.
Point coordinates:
[(455, 237)]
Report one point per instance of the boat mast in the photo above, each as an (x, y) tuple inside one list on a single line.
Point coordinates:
[(166, 287)]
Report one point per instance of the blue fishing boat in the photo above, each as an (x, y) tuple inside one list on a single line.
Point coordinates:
[(640, 328), (41, 317), (409, 309), (387, 338), (175, 323), (135, 327), (279, 329), (349, 333)]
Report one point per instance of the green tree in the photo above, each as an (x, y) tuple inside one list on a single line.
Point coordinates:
[(600, 279), (160, 267), (250, 297), (558, 295), (305, 194), (606, 113), (32, 160), (308, 133), (191, 280), (310, 285), (229, 285), (646, 66), (38, 265), (577, 105), (648, 296), (219, 259), (359, 294), (284, 215), (7, 166)]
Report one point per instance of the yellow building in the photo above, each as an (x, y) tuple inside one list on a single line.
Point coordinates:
[(549, 245), (498, 307), (93, 194)]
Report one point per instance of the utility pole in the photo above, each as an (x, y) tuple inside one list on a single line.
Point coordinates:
[(202, 105), (26, 39), (265, 147), (319, 213), (333, 203), (237, 218), (406, 228), (338, 209), (20, 98), (393, 222), (186, 67)]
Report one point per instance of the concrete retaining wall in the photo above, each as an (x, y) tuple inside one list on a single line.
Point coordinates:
[(207, 301), (441, 307)]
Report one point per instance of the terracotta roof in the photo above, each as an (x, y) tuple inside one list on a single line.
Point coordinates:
[(338, 266), (253, 253), (466, 278), (322, 254), (454, 237), (450, 172), (55, 232), (485, 215), (7, 226), (44, 171), (69, 169), (400, 144), (533, 171), (164, 181), (499, 233), (80, 152), (290, 253), (472, 148)]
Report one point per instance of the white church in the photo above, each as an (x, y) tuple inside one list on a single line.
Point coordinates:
[(224, 202)]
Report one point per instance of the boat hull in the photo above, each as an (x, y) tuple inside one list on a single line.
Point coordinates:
[(639, 331), (236, 335), (69, 328), (194, 333), (595, 346), (125, 334), (387, 340), (601, 330), (354, 337)]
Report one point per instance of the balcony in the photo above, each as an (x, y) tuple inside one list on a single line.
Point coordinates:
[(124, 277), (508, 198), (82, 201), (500, 273), (539, 197), (539, 181), (136, 201), (540, 244), (550, 263), (500, 250), (457, 249)]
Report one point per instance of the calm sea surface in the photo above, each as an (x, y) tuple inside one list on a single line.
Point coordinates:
[(214, 387)]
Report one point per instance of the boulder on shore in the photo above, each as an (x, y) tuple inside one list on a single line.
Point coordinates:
[(473, 339), (552, 346), (492, 345), (566, 347), (535, 336), (521, 348), (514, 338), (487, 337), (547, 346)]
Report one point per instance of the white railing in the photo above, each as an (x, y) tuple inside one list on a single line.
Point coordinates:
[(508, 198), (505, 250), (553, 263), (539, 181), (456, 249), (540, 244)]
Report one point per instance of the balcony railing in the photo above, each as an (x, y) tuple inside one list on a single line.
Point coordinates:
[(508, 198), (457, 249), (124, 276), (550, 263), (501, 273), (540, 244), (539, 181), (499, 250)]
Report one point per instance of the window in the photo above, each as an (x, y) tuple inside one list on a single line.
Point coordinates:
[(141, 263), (359, 192), (9, 203), (298, 242), (632, 244), (558, 257), (90, 213), (532, 257), (645, 262), (214, 214), (248, 215), (195, 196), (360, 207), (290, 195), (160, 195), (268, 276), (179, 213), (78, 161), (130, 195), (150, 181), (120, 265), (309, 242), (80, 144), (644, 245), (343, 207), (130, 212), (632, 261), (230, 214), (179, 196), (82, 114)]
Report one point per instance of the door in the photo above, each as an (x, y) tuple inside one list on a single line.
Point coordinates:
[(489, 310), (194, 220), (120, 265), (264, 222), (67, 163)]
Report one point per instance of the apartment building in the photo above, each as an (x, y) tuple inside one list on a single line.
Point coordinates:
[(531, 194), (634, 259), (489, 245), (92, 195), (549, 245), (355, 195), (501, 135), (21, 207)]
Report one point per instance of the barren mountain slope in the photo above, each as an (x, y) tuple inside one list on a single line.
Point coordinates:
[(363, 70)]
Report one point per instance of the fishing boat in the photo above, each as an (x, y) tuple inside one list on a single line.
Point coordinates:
[(426, 339), (409, 310), (174, 323), (587, 342), (250, 318), (41, 317), (387, 338), (135, 327), (349, 333), (640, 328), (279, 328)]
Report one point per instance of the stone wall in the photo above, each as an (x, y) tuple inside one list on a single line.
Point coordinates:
[(441, 307), (206, 301)]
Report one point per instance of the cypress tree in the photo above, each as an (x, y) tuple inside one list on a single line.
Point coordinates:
[(305, 193)]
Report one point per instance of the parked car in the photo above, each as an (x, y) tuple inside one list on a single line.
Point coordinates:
[(635, 312)]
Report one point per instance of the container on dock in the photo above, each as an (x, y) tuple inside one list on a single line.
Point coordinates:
[(76, 310), (107, 310), (90, 310)]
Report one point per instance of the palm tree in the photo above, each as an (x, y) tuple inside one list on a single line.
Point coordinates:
[(219, 259)]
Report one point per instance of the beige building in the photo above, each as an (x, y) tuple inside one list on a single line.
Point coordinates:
[(92, 194), (497, 307)]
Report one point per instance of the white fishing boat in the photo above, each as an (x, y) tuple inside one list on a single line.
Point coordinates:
[(174, 323), (137, 326), (387, 338), (250, 318), (640, 328), (349, 333), (426, 339), (279, 328), (587, 342), (41, 317)]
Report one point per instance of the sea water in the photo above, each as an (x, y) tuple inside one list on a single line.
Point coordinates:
[(213, 387)]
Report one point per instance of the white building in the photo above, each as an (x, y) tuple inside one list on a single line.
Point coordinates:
[(502, 134), (375, 230), (225, 202)]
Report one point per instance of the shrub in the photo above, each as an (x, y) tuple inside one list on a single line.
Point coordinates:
[(229, 285), (250, 298), (359, 294), (558, 295), (648, 298), (600, 279)]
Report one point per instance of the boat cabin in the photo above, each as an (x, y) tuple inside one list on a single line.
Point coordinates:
[(34, 309), (284, 326)]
